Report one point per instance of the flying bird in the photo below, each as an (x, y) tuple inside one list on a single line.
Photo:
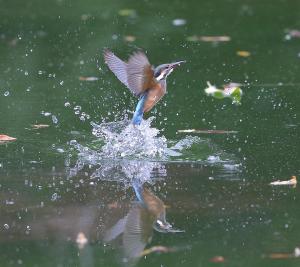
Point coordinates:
[(142, 79)]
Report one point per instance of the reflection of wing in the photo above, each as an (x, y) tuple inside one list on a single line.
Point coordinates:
[(138, 231), (116, 230), (139, 73), (116, 65)]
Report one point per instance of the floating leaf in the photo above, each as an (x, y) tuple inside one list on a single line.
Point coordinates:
[(243, 53), (214, 39), (88, 79), (223, 38), (292, 181), (40, 126), (217, 259), (127, 12), (235, 93), (5, 138), (207, 131), (276, 256), (129, 38)]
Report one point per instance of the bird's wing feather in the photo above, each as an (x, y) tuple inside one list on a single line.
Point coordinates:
[(139, 73), (116, 65)]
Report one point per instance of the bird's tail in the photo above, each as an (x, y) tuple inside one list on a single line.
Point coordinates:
[(139, 110)]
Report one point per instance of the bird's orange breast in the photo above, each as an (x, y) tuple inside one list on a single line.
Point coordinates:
[(155, 93)]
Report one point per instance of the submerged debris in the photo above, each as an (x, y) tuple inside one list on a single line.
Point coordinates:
[(231, 91), (292, 181)]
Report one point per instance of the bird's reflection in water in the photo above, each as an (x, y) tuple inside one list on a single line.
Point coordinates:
[(135, 230)]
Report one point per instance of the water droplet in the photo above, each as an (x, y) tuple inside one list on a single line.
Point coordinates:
[(54, 197), (54, 119), (60, 150), (6, 93)]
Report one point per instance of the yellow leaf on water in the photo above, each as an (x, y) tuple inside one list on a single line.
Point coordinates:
[(243, 53), (127, 12)]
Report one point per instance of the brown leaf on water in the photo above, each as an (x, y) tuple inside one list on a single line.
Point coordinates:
[(243, 53), (88, 79), (129, 38), (5, 138), (206, 131), (160, 249), (217, 259), (292, 181), (40, 126), (276, 256)]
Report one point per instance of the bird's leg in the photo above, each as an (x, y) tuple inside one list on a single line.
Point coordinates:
[(139, 110)]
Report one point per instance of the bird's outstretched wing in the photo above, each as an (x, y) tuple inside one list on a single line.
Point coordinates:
[(116, 65), (137, 74)]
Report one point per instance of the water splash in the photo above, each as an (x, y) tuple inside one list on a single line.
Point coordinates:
[(125, 153), (125, 140)]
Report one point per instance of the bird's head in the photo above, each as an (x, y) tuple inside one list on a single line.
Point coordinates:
[(161, 72)]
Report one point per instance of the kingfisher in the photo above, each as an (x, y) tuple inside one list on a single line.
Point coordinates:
[(141, 78)]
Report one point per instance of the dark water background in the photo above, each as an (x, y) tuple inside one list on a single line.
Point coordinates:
[(217, 189)]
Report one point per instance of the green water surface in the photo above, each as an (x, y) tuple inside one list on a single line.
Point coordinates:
[(227, 207)]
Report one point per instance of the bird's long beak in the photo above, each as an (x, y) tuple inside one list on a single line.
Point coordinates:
[(176, 64)]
